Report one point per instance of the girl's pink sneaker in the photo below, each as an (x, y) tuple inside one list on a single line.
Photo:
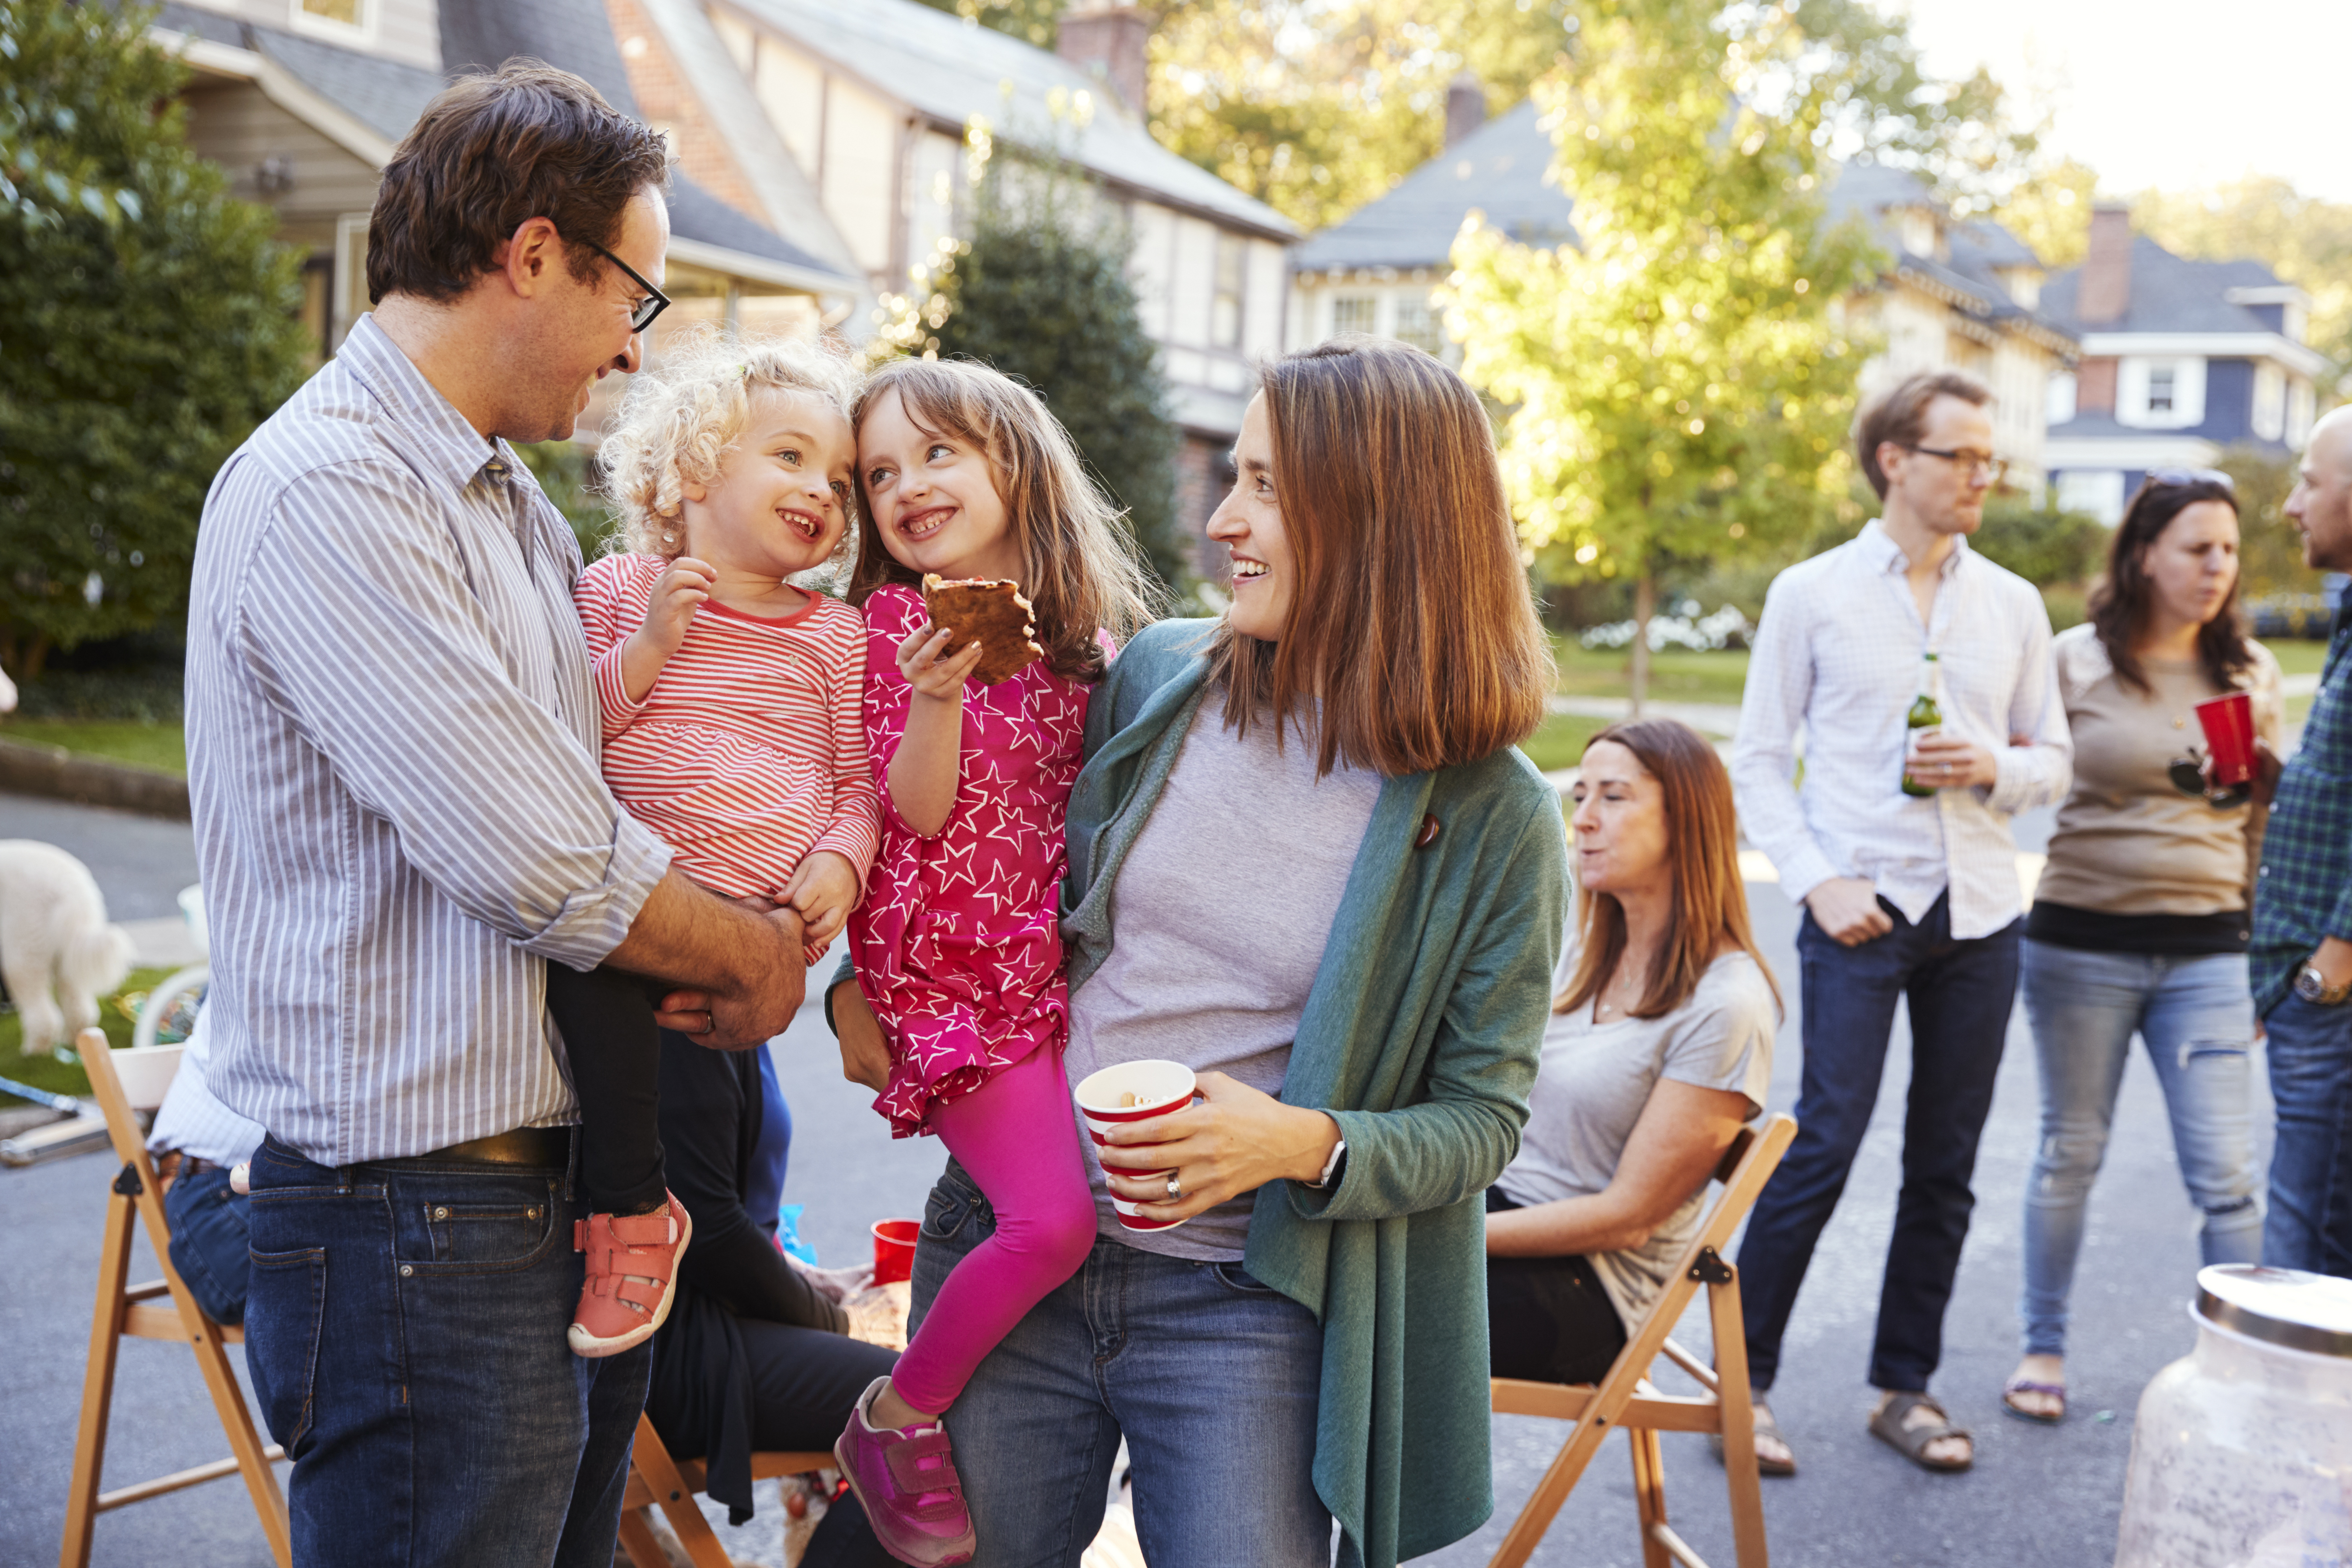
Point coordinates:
[(907, 1481), (632, 1277)]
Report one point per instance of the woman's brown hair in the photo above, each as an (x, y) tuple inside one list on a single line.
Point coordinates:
[(2121, 601), (1078, 570), (1710, 908), (1412, 631)]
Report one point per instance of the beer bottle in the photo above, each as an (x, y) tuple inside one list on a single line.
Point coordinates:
[(1926, 719)]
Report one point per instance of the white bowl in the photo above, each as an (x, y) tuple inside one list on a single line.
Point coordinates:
[(146, 1072)]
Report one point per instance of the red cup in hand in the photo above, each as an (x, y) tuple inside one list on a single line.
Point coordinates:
[(894, 1249), (1122, 1095), (2229, 724)]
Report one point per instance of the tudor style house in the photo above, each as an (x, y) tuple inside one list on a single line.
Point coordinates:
[(1955, 294), (303, 100), (2180, 359), (851, 117)]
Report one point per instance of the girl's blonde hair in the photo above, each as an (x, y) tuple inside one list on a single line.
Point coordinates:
[(680, 417), (1078, 570)]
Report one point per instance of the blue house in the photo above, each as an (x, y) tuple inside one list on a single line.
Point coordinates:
[(2180, 360)]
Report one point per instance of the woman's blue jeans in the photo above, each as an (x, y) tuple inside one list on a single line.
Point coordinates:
[(1211, 1376), (2196, 1017)]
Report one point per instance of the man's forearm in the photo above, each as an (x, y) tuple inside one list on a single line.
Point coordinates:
[(691, 936)]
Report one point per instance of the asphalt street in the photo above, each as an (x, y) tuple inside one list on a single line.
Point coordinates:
[(2037, 1496)]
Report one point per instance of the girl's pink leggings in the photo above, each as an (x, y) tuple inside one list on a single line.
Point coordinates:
[(1017, 1137)]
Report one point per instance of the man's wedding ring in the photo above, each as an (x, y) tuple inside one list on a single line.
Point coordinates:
[(1175, 1188)]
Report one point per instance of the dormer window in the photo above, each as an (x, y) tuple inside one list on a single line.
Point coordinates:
[(334, 18), (2160, 379)]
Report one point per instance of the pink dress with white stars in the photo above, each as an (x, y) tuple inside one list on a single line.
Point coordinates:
[(956, 945)]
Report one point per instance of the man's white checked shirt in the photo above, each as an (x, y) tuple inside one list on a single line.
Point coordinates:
[(1838, 653), (392, 761)]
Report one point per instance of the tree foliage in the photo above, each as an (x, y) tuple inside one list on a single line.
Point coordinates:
[(1678, 389), (2270, 550), (1314, 107), (1032, 21), (1041, 291), (2051, 212), (2306, 240), (145, 331)]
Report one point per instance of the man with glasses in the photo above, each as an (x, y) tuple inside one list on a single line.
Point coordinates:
[(2301, 957), (392, 736), (1906, 895)]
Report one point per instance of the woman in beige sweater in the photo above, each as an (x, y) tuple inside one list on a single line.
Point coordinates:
[(2139, 923)]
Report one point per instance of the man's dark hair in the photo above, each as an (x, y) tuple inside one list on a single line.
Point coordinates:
[(1899, 415), (489, 154)]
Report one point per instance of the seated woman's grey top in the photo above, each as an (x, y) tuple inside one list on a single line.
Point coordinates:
[(1222, 909), (1594, 1082)]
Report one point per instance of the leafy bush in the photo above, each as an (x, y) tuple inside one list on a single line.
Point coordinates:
[(146, 320), (2044, 546)]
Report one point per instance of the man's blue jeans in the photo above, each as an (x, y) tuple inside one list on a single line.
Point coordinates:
[(1211, 1377), (1960, 993), (2310, 1222), (2198, 1018), (407, 1327), (209, 1241)]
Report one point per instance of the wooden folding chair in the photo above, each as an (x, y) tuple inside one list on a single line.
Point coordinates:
[(124, 1312), (656, 1480), (1625, 1397)]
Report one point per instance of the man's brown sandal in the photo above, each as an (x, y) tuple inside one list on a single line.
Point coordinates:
[(1887, 1425), (1765, 1428)]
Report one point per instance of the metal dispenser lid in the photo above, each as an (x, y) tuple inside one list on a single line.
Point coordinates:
[(2309, 1313)]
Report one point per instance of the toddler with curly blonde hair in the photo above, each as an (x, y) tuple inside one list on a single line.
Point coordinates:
[(731, 728)]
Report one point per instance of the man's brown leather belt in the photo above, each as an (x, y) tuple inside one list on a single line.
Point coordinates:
[(548, 1148)]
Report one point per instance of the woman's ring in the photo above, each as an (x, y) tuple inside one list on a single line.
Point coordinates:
[(1175, 1188)]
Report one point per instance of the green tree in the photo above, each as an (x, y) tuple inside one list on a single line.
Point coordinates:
[(2270, 550), (2306, 240), (1678, 389), (1032, 21), (2051, 212), (1041, 291), (146, 320)]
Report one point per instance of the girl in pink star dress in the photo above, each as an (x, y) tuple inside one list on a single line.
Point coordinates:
[(965, 474)]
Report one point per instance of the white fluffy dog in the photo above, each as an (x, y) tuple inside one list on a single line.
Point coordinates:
[(54, 942)]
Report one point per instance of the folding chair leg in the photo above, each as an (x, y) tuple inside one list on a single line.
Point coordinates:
[(637, 1540), (1738, 1417), (1551, 1492), (244, 1440), (97, 1383), (1649, 1493), (675, 1499)]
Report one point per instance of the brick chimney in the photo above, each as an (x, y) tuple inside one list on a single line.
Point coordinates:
[(2105, 294), (1109, 41), (1465, 108)]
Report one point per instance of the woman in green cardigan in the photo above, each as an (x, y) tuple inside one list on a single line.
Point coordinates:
[(1305, 860)]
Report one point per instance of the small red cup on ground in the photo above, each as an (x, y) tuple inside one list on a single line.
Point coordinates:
[(894, 1249), (1123, 1095), (2229, 724)]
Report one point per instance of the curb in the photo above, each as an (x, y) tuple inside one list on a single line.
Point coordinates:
[(27, 768)]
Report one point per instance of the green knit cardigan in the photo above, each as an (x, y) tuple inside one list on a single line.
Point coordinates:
[(1420, 1037)]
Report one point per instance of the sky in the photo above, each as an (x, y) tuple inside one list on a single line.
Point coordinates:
[(2168, 93)]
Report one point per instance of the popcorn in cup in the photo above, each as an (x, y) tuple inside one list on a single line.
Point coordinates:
[(1130, 1092)]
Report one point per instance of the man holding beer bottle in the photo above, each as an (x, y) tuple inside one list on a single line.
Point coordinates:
[(1921, 674)]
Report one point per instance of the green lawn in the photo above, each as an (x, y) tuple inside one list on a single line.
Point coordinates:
[(1560, 742), (1676, 675), (115, 1016), (161, 747)]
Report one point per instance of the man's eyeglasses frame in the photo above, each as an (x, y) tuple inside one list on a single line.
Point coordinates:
[(654, 302), (1993, 468)]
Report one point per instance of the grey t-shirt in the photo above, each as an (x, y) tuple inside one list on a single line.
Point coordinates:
[(1220, 913), (1593, 1083)]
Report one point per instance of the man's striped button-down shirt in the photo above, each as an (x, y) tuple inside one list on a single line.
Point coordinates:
[(392, 761)]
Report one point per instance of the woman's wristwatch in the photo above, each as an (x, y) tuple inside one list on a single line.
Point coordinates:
[(1331, 1166), (2312, 987)]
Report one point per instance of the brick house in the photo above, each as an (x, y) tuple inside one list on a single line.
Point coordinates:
[(2180, 359)]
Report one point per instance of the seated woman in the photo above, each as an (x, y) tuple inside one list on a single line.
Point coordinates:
[(754, 1355), (1659, 1047)]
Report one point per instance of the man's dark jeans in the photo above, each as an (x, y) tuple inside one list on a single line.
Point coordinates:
[(1961, 994), (407, 1326), (2310, 1220), (209, 1241)]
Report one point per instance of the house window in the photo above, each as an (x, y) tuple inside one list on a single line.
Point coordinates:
[(2269, 401), (1355, 313), (1226, 313), (1417, 323), (2160, 379), (348, 12)]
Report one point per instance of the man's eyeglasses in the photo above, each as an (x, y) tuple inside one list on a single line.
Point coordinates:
[(1991, 468), (641, 313), (2177, 477)]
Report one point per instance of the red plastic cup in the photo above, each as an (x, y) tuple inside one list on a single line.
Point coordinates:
[(1152, 1089), (2229, 724), (894, 1249)]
